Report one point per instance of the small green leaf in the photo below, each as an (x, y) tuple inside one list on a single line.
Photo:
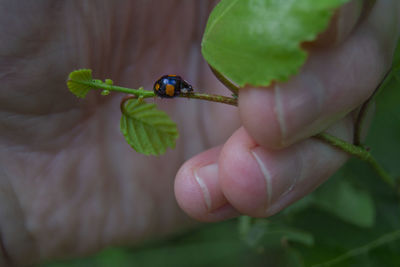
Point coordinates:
[(258, 41), (76, 82), (148, 130), (347, 202)]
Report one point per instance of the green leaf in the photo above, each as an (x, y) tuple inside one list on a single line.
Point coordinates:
[(299, 206), (258, 41), (256, 232), (76, 82), (148, 130), (347, 202)]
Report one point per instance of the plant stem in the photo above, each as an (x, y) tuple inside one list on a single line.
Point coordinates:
[(214, 98), (147, 93), (362, 115), (359, 152), (360, 121), (233, 88), (109, 87)]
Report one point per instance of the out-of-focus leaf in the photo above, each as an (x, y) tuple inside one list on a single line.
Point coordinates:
[(299, 205), (347, 202), (252, 230), (260, 232)]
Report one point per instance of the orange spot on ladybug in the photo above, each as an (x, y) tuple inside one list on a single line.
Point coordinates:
[(170, 90), (157, 87)]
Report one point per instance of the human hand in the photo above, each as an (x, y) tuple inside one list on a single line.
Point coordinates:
[(273, 160)]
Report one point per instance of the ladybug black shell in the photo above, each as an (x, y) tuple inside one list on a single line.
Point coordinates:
[(170, 86)]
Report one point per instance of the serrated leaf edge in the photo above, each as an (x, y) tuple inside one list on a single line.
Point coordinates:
[(128, 129)]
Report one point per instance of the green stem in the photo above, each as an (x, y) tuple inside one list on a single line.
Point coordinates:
[(359, 152), (360, 121), (104, 86), (146, 93), (362, 115), (214, 98), (233, 88)]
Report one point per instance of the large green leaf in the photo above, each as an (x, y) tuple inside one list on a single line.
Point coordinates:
[(258, 41), (148, 130)]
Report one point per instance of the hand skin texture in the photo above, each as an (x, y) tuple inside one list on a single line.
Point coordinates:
[(69, 183)]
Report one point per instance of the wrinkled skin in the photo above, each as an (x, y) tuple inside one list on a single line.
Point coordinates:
[(70, 185)]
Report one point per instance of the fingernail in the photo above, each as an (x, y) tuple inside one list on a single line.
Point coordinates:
[(307, 107), (207, 179), (280, 171)]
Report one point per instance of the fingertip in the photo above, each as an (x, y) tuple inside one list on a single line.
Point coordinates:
[(197, 189), (188, 194), (240, 177), (260, 182), (261, 115)]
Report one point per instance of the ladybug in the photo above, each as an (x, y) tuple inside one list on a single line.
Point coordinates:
[(171, 85)]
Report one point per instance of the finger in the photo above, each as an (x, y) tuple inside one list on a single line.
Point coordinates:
[(333, 82), (197, 189), (260, 182)]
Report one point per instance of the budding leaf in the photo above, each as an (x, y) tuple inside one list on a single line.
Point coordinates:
[(259, 41), (148, 130), (78, 82)]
